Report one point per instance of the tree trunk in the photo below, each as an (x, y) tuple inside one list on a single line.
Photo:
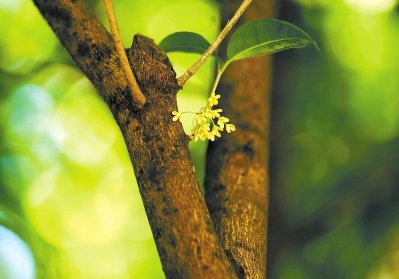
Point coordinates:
[(236, 184), (158, 147)]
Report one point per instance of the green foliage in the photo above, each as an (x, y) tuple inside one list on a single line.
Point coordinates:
[(265, 36), (254, 38), (334, 137), (186, 42)]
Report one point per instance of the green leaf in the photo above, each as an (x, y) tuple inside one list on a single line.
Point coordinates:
[(265, 36), (186, 42)]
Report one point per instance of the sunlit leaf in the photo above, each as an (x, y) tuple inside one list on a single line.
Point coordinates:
[(265, 36), (186, 42)]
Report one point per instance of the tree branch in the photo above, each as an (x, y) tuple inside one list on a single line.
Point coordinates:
[(158, 148), (194, 68), (236, 184), (138, 96)]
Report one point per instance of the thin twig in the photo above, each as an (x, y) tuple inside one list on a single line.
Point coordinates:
[(182, 80), (215, 84), (138, 96)]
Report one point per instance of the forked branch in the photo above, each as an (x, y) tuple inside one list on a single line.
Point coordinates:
[(183, 230)]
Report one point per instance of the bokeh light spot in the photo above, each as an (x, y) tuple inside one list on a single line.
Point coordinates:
[(16, 259), (95, 262), (371, 6), (90, 128)]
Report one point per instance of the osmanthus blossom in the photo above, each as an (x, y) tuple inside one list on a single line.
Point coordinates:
[(177, 116), (204, 120)]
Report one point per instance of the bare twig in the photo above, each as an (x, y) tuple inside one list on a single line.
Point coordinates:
[(138, 96), (215, 85), (182, 80)]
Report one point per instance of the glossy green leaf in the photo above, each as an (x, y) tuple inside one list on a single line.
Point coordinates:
[(186, 42), (265, 36)]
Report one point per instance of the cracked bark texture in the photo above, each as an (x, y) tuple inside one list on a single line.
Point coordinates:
[(236, 185), (158, 148)]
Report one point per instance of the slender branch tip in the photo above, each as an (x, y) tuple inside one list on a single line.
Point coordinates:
[(230, 23)]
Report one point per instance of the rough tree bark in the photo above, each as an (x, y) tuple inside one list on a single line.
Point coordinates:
[(183, 230), (158, 147), (236, 184)]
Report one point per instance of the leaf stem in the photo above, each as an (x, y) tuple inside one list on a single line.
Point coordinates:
[(182, 80), (138, 96), (218, 75)]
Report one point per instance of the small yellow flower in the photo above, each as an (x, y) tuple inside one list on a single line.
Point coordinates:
[(216, 112), (208, 113), (230, 128), (202, 135), (197, 136), (200, 118), (211, 136), (212, 113), (213, 99), (177, 115), (202, 132), (222, 120), (214, 132)]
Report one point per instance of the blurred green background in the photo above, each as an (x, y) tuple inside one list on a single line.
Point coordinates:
[(334, 165), (69, 205)]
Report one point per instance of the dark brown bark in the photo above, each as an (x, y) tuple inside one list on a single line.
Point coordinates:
[(158, 148), (236, 184)]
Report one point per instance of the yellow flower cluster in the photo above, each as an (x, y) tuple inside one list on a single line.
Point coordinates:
[(204, 120)]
